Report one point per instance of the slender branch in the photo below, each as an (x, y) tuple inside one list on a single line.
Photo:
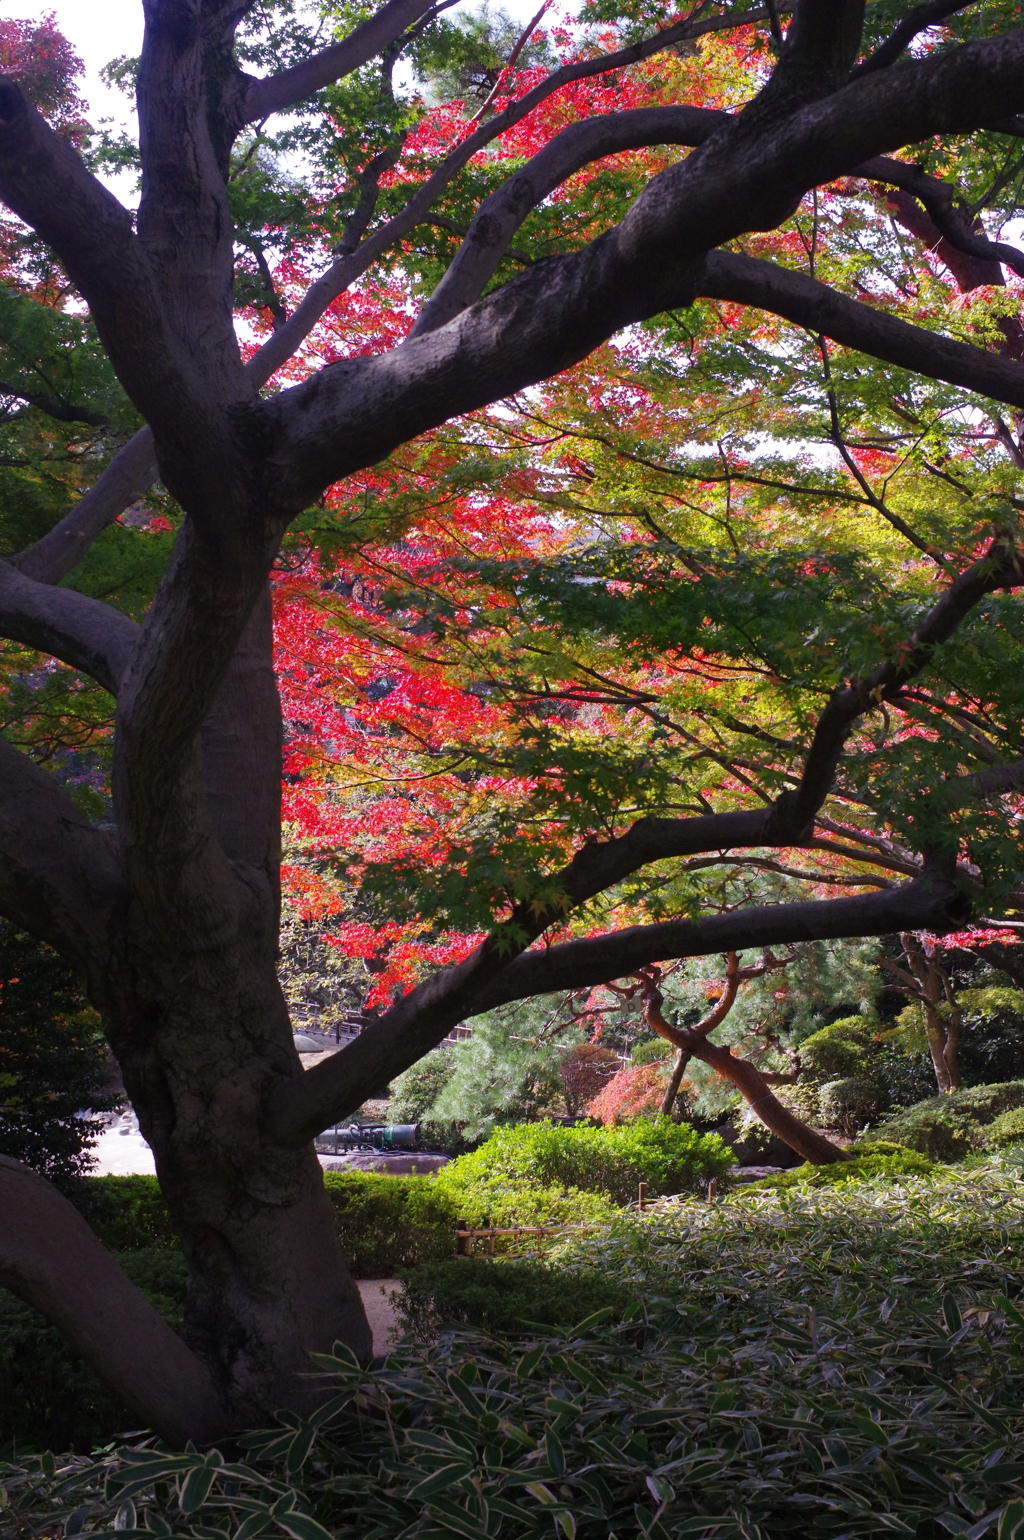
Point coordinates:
[(919, 20), (128, 476), (748, 1080), (51, 1258), (820, 309)]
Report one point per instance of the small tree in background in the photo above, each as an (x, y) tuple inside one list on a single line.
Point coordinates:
[(52, 1061)]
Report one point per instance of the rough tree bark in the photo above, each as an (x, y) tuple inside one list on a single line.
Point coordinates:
[(174, 921)]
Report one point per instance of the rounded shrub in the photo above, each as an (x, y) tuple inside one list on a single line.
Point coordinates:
[(1008, 1128), (670, 1157), (839, 1051), (848, 1104)]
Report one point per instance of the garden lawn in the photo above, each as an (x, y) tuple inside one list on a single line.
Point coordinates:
[(838, 1361)]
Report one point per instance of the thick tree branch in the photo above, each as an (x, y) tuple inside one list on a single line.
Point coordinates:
[(51, 1258), (83, 632), (60, 877), (311, 1101), (500, 215), (128, 476), (896, 44), (820, 309), (48, 186), (356, 411), (278, 92)]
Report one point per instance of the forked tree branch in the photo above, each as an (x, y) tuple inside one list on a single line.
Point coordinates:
[(899, 40), (500, 215), (51, 1258)]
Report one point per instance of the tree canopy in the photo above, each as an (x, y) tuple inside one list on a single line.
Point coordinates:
[(624, 455)]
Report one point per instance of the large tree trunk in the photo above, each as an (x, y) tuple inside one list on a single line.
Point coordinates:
[(202, 1034)]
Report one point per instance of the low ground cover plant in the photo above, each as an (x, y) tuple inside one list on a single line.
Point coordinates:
[(844, 1362)]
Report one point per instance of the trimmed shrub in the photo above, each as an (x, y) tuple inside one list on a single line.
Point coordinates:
[(1008, 1128), (384, 1222), (848, 1104), (669, 1157), (946, 1128), (839, 1051), (389, 1222), (128, 1213), (504, 1297)]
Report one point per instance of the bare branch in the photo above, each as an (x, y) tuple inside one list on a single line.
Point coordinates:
[(83, 632), (51, 1258), (51, 406)]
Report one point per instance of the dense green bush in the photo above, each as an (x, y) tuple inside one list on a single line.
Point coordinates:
[(807, 1362), (839, 1051), (1007, 1128), (128, 1213), (389, 1222), (848, 1104), (882, 1159), (669, 1157), (991, 1034), (947, 1128), (505, 1297)]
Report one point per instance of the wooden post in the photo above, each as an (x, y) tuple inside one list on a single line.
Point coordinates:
[(713, 1189), (641, 1195)]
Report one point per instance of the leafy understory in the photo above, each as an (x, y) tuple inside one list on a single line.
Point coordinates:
[(844, 1361)]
